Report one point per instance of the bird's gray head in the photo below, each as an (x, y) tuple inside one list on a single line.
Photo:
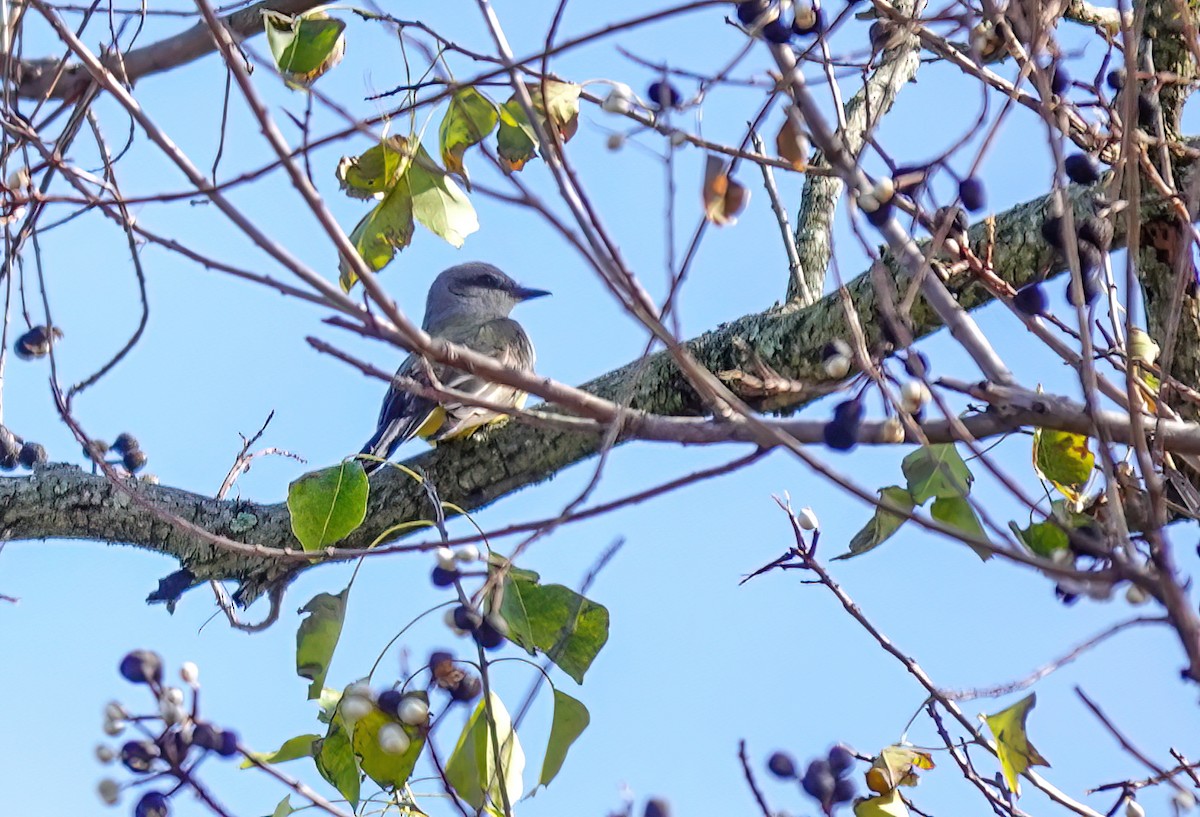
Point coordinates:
[(477, 291)]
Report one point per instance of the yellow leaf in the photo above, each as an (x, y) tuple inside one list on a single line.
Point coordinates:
[(1012, 743), (883, 805), (1065, 459), (894, 767)]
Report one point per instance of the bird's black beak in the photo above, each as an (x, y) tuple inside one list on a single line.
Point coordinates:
[(527, 294)]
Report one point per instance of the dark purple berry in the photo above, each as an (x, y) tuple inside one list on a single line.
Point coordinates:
[(777, 31), (465, 618), (663, 95), (142, 667), (139, 755), (467, 689), (32, 454), (488, 636), (443, 578), (222, 741), (971, 194), (844, 790), (1030, 300), (36, 342), (848, 411), (657, 807), (1082, 168), (125, 443), (1060, 79), (840, 436), (389, 701), (152, 804), (1116, 79), (841, 760), (782, 765), (749, 11), (880, 215), (228, 746), (134, 460), (818, 781)]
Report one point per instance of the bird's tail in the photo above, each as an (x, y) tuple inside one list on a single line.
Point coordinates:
[(393, 433)]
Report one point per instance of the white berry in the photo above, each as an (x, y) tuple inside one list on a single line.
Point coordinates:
[(445, 558), (105, 754), (467, 554), (393, 739), (1134, 809), (189, 673), (355, 707), (807, 519), (413, 711), (1135, 595), (913, 396)]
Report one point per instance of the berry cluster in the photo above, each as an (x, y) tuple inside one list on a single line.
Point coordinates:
[(172, 741), (15, 451), (409, 712), (488, 629), (843, 431), (827, 779), (769, 20), (125, 446)]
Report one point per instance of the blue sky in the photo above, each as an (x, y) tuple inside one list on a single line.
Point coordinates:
[(694, 662)]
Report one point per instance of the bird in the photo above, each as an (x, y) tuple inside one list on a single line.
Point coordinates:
[(468, 304)]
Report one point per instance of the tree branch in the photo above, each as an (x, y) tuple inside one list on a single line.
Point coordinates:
[(35, 79)]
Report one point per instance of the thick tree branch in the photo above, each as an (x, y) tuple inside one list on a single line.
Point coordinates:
[(35, 79), (65, 502)]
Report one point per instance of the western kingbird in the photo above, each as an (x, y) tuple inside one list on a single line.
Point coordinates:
[(468, 305)]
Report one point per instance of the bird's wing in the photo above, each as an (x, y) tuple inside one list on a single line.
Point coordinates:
[(404, 414), (401, 416), (503, 340)]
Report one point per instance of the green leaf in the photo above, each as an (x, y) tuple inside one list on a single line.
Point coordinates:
[(284, 808), (336, 762), (882, 805), (328, 505), (896, 766), (936, 471), (516, 143), (555, 620), (570, 719), (317, 637), (884, 523), (1065, 459), (473, 770), (1012, 742), (1043, 538), (470, 117), (306, 46), (292, 749), (438, 203), (386, 769), (956, 512), (387, 228), (375, 171)]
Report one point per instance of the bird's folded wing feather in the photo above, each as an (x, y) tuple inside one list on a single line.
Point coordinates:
[(504, 341)]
